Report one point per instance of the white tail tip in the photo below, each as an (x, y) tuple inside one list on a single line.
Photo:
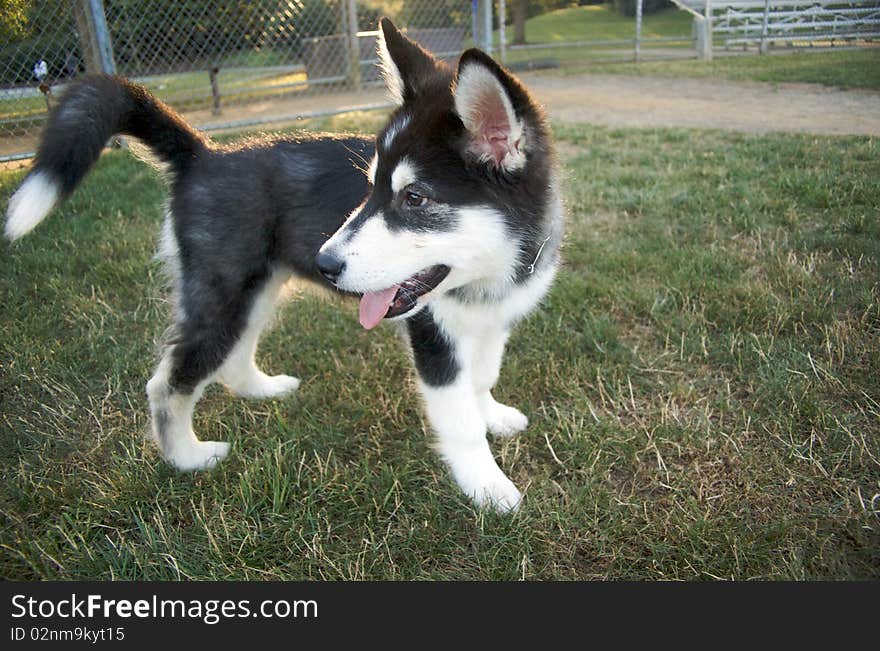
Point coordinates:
[(30, 204)]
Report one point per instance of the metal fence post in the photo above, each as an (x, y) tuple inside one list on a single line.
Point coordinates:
[(475, 22), (708, 29), (350, 23), (487, 25), (215, 90), (97, 46), (96, 43), (763, 47), (699, 24), (483, 24), (638, 29), (502, 32)]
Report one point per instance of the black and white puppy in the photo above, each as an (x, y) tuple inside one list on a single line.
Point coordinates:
[(455, 234)]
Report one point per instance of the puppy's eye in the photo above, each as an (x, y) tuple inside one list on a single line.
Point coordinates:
[(415, 200)]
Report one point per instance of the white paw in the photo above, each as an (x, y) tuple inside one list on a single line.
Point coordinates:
[(264, 386), (502, 420), (480, 478), (500, 495), (198, 455)]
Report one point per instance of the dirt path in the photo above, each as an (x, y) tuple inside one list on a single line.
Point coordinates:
[(753, 107), (631, 101)]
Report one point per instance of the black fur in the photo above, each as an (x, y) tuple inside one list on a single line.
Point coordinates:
[(238, 212), (243, 210), (97, 107), (433, 352), (433, 218), (241, 213), (216, 314)]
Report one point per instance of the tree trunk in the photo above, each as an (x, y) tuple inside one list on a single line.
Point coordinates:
[(519, 21)]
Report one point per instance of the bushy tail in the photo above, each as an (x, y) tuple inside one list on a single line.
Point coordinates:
[(91, 111)]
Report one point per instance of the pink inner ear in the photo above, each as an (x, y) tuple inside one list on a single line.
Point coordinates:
[(491, 128)]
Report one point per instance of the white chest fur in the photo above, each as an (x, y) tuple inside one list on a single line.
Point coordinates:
[(459, 318)]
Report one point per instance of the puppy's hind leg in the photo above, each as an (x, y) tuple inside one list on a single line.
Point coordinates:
[(239, 372), (501, 420), (213, 317), (172, 409)]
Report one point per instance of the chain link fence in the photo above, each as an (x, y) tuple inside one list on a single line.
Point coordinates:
[(209, 58), (764, 24), (237, 63)]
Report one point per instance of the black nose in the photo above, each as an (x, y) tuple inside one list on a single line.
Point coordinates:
[(330, 266)]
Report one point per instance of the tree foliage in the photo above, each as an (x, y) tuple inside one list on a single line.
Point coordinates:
[(31, 30), (157, 35), (13, 20)]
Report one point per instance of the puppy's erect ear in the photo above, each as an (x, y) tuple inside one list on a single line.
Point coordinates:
[(492, 105), (406, 65)]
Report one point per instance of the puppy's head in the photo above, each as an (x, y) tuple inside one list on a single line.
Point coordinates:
[(459, 181)]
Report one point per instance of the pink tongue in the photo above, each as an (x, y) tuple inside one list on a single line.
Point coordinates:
[(374, 305)]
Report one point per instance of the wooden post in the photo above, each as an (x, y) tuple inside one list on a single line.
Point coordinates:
[(215, 90), (46, 89)]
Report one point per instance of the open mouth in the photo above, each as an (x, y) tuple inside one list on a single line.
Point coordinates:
[(399, 299)]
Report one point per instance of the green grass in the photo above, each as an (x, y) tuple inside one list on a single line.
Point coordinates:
[(853, 68), (703, 385), (593, 23), (601, 22)]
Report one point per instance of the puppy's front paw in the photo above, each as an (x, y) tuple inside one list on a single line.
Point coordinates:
[(260, 385), (276, 386), (502, 420), (499, 494), (198, 455), (480, 478)]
